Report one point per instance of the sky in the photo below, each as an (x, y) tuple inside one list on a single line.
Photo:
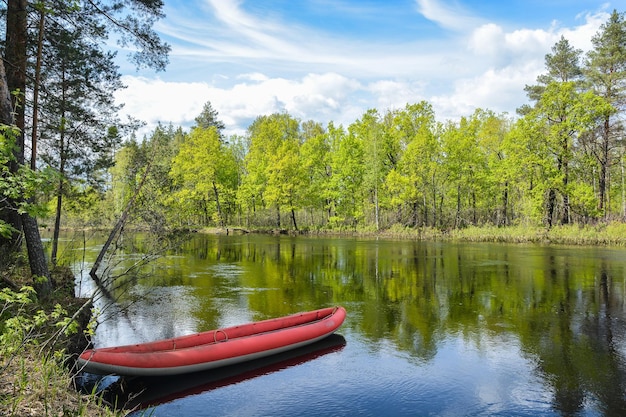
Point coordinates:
[(332, 60)]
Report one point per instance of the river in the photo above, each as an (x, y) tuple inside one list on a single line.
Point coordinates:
[(433, 328)]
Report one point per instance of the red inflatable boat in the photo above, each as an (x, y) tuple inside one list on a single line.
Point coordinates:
[(214, 348)]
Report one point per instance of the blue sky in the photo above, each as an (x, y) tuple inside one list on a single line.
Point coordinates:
[(331, 60)]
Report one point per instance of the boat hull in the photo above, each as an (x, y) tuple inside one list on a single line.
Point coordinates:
[(214, 348)]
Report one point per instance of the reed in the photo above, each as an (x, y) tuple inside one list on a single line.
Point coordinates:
[(612, 234)]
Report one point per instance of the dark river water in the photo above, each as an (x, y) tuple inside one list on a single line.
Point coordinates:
[(433, 329)]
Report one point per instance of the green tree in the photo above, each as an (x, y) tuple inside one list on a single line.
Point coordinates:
[(493, 182), (345, 188), (205, 171), (155, 204), (463, 163), (18, 186), (315, 155), (563, 69), (380, 155), (562, 65), (77, 111), (606, 71), (209, 117), (286, 175), (273, 172), (129, 160), (15, 54), (414, 181), (561, 116), (133, 20)]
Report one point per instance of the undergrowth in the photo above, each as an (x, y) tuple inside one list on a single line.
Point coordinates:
[(34, 378)]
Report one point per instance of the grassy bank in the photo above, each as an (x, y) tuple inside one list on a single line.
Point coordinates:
[(612, 234), (37, 385), (36, 340), (605, 234)]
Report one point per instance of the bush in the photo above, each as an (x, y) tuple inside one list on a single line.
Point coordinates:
[(33, 380)]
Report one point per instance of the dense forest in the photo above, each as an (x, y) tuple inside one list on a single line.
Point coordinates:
[(558, 160)]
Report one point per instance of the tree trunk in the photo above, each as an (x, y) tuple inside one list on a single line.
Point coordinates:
[(377, 208), (604, 163), (217, 203), (6, 116), (425, 215), (293, 219), (8, 211), (567, 212), (34, 138), (474, 209), (36, 257), (57, 223), (457, 216), (623, 188), (15, 57), (435, 213), (550, 207), (564, 167), (62, 160), (15, 75), (505, 205)]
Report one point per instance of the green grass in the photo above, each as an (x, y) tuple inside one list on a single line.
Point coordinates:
[(612, 234), (33, 378)]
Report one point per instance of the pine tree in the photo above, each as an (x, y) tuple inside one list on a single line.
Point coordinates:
[(606, 71), (94, 20)]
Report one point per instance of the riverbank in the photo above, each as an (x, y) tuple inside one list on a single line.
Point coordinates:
[(604, 234), (611, 234), (35, 365)]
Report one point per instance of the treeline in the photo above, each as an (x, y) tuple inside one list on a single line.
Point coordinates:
[(560, 160)]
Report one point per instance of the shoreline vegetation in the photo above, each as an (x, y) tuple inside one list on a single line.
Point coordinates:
[(39, 341), (37, 383), (601, 234)]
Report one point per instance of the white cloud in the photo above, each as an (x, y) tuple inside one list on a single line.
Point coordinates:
[(321, 97), (449, 15), (499, 90), (487, 39), (268, 66), (154, 100), (580, 36), (511, 60), (394, 94), (253, 76)]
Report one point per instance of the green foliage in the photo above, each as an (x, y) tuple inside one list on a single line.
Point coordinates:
[(34, 372), (20, 323), (20, 186), (559, 163), (205, 172), (274, 175), (345, 186), (584, 200)]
